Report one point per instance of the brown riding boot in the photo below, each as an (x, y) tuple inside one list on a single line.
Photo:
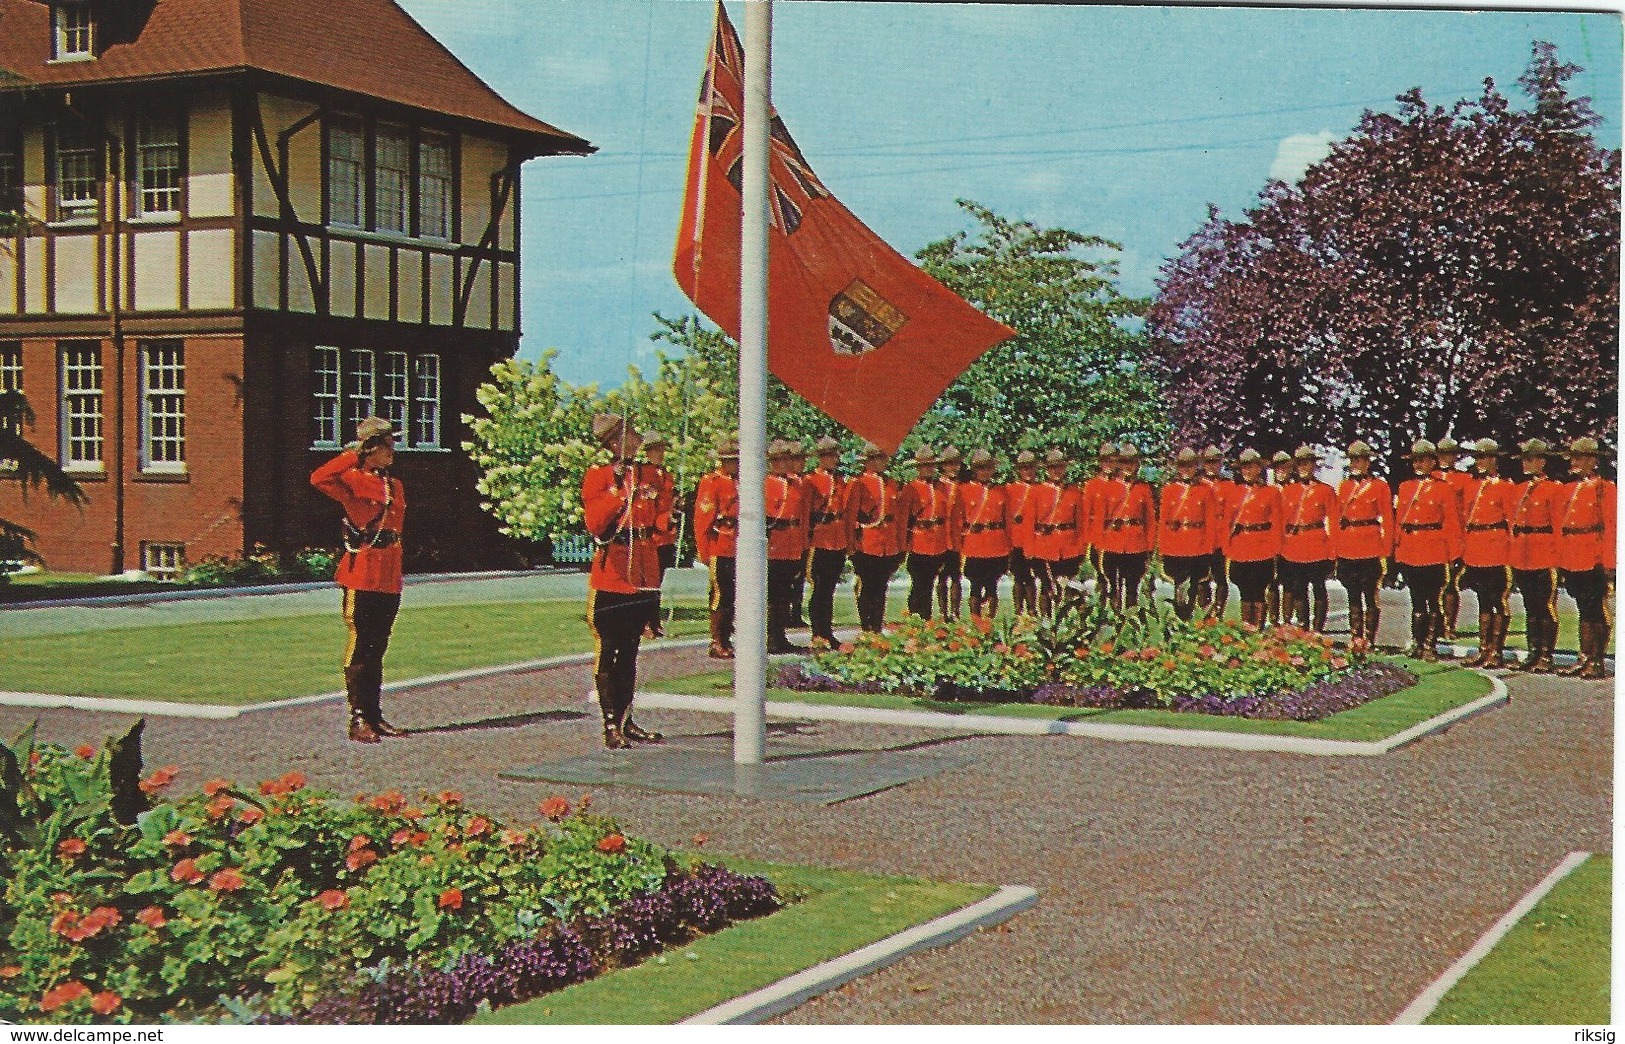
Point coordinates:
[(1356, 624), (355, 684), (1486, 641), (1452, 611), (1496, 660), (719, 648), (1541, 646), (1597, 662), (1582, 656)]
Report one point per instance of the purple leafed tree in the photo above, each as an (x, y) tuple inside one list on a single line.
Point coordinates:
[(1443, 271)]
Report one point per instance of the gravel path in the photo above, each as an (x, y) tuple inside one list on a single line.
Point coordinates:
[(1177, 886)]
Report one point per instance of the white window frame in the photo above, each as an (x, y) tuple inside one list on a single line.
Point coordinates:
[(163, 407), (346, 167), (392, 179), (163, 560), (325, 395), (158, 163), (77, 160), (73, 33), (359, 388), (426, 401), (83, 438), (11, 175), (436, 186), (11, 379), (394, 392)]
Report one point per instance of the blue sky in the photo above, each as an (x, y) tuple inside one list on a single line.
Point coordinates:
[(1124, 122)]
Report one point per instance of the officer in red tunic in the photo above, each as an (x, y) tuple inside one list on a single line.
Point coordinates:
[(1307, 546), (950, 581), (1128, 526), (1430, 538), (369, 571), (1095, 491), (785, 504), (1214, 590), (1017, 493), (665, 538), (1486, 551), (1462, 483), (924, 509), (875, 535), (1252, 539), (1056, 549), (1281, 471), (1185, 531), (620, 504), (716, 542), (828, 501), (1586, 554), (1536, 504), (1365, 539), (798, 594), (980, 526)]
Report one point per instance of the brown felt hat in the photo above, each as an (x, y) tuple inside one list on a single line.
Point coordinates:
[(1449, 445), (1054, 456), (923, 455), (1486, 448), (1107, 449), (1422, 448), (1213, 453), (1186, 455), (607, 425), (1026, 457), (1305, 453), (871, 451), (981, 458), (1128, 451), (1359, 448), (1281, 457), (826, 445), (1250, 456), (728, 449), (1585, 446), (373, 429), (1534, 448)]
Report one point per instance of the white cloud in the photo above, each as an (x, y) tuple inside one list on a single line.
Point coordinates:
[(1297, 153)]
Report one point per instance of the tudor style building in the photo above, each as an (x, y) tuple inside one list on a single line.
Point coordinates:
[(247, 224)]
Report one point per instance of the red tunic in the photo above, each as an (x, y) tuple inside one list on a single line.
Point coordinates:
[(620, 514), (980, 521), (1365, 518), (716, 517), (1225, 495), (874, 519), (1095, 491), (1128, 518), (370, 502), (1256, 527), (1488, 539), (1586, 539), (787, 514), (828, 499), (1535, 517), (1428, 524), (1057, 522), (1018, 495), (665, 500), (1187, 519), (1311, 523), (925, 517)]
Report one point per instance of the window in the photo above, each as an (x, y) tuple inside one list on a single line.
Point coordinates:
[(158, 165), (392, 180), (402, 388), (78, 171), (11, 177), (163, 406), (74, 33), (434, 187), (327, 396), (11, 380), (426, 401), (82, 405), (163, 561), (346, 162)]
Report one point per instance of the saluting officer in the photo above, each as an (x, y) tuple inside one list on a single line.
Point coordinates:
[(980, 525), (1586, 554), (874, 534), (716, 542), (1253, 536), (1307, 548), (1365, 540), (1462, 483), (1535, 516), (1185, 531), (1486, 552), (1018, 494), (925, 518), (1214, 590), (1128, 524), (369, 571), (620, 506), (828, 540), (784, 497), (1281, 477), (665, 538), (950, 580), (1430, 538)]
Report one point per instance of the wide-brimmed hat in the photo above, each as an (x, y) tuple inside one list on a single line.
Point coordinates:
[(1421, 448), (606, 425), (728, 449), (1026, 457), (826, 445), (1250, 456), (1054, 456), (981, 458), (794, 448), (1486, 448), (1280, 457), (1357, 448), (1213, 453), (654, 440), (948, 455), (1186, 455), (778, 449), (1107, 449), (1305, 452), (373, 429), (871, 451), (1584, 446), (923, 455), (1449, 445), (1533, 448), (1128, 451)]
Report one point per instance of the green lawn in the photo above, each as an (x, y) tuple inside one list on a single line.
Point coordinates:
[(1441, 687), (1552, 968), (245, 661), (837, 912)]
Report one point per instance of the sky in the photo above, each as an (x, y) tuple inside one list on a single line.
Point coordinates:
[(1122, 122)]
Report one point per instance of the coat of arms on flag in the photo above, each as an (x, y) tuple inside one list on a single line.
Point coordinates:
[(853, 326)]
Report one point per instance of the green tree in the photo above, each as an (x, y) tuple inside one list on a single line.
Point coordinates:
[(32, 470)]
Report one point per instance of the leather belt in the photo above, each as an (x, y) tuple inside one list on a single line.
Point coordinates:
[(626, 536), (1045, 529), (1480, 527), (1355, 523), (824, 518), (1295, 529), (1122, 523), (1177, 525), (775, 524), (726, 523), (389, 538), (883, 520), (1570, 531), (983, 527), (1253, 527), (1521, 530), (925, 523), (1421, 527)]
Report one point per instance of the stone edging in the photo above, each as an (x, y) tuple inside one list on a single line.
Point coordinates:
[(1004, 726), (1424, 1005), (787, 993)]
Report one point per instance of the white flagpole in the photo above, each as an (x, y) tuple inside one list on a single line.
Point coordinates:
[(750, 590)]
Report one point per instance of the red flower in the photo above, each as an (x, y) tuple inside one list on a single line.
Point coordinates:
[(451, 899), (360, 841), (85, 750), (11, 971), (1106, 647), (612, 844), (64, 924), (250, 815), (186, 872), (177, 839), (584, 802), (160, 779), (66, 993), (153, 917), (403, 836), (215, 786), (105, 1002), (1207, 651), (71, 848), (227, 880), (333, 899), (451, 797), (218, 807), (555, 808), (479, 826), (390, 802), (514, 838), (847, 647), (360, 857), (294, 780)]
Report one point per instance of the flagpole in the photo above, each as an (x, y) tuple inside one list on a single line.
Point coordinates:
[(750, 591)]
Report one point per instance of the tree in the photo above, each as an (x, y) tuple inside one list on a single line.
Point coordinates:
[(1443, 271), (21, 461)]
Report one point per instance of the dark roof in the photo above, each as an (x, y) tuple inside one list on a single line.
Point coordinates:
[(365, 47)]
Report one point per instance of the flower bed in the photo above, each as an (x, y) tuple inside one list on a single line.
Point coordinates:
[(279, 903), (1087, 657)]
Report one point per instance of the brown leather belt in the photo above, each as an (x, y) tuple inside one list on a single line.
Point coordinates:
[(1294, 530), (1521, 530), (626, 536), (1253, 527), (1122, 523), (1569, 531), (983, 527), (824, 518), (1480, 527), (1355, 523), (925, 523), (1176, 525), (1421, 527)]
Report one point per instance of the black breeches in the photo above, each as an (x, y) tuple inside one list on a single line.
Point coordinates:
[(1124, 570), (1021, 567), (781, 593), (722, 599), (1185, 571), (617, 622), (824, 573), (369, 616), (923, 571), (1426, 584), (874, 572), (1360, 577), (1589, 589), (1539, 590), (1490, 584), (1300, 578), (1251, 578), (984, 574)]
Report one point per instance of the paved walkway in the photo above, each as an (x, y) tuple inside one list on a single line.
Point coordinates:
[(1176, 885)]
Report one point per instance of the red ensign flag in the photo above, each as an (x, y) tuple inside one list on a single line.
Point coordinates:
[(854, 326)]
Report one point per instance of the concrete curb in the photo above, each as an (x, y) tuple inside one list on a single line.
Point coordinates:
[(159, 708), (1003, 726), (793, 990), (1424, 1005)]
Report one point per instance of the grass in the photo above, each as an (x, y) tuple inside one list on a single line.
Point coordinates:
[(1440, 688), (1552, 968), (245, 661), (838, 911), (36, 587)]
